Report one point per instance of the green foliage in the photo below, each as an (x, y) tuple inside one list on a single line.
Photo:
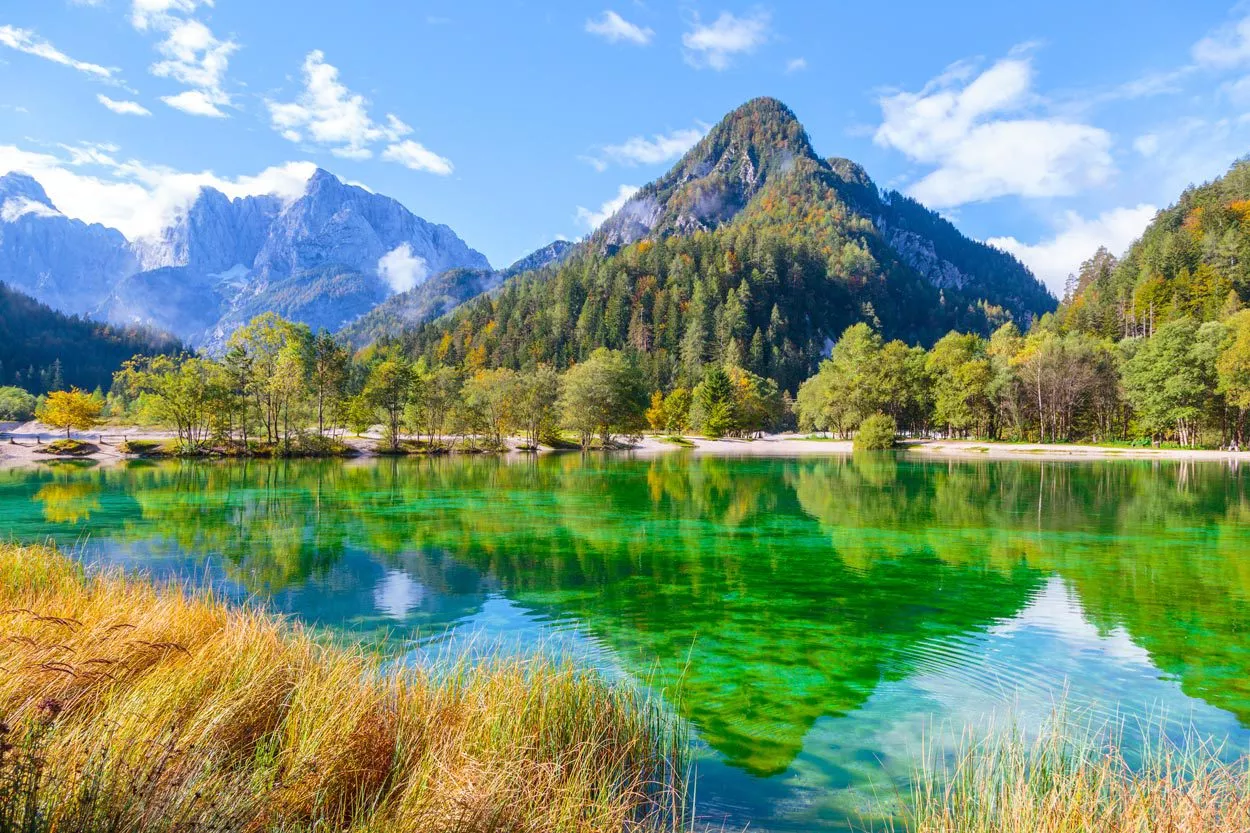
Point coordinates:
[(42, 350), (715, 414), (760, 253), (1171, 378), (16, 404), (876, 433), (387, 390), (1193, 261), (604, 396)]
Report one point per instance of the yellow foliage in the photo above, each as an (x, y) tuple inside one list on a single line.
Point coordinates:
[(70, 409)]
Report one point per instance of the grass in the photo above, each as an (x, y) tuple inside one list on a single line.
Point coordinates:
[(677, 440), (131, 708), (68, 448), (1080, 780)]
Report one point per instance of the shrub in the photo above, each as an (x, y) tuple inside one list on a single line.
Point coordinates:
[(876, 433), (16, 404)]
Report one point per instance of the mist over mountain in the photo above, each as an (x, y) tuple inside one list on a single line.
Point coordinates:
[(323, 258)]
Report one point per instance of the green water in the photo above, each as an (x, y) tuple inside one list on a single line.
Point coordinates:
[(820, 616)]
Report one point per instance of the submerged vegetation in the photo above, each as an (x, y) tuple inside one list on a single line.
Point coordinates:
[(128, 708)]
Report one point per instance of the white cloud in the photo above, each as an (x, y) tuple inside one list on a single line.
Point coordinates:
[(714, 45), (21, 206), (614, 28), (796, 65), (191, 55), (416, 156), (960, 125), (1076, 239), (639, 150), (138, 199), (402, 269), (24, 40), (1147, 145), (195, 103), (124, 108), (146, 13), (1228, 46), (327, 113), (594, 219)]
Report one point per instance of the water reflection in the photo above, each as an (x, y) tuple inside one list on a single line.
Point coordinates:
[(813, 612)]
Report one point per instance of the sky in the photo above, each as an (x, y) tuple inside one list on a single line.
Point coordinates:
[(1046, 129)]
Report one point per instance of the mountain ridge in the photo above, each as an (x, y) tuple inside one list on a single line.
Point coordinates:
[(317, 258), (751, 249)]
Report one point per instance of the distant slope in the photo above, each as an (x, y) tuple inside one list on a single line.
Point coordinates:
[(441, 294), (1192, 260), (752, 249), (323, 257), (34, 337)]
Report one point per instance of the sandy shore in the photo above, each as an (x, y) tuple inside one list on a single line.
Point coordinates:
[(20, 445)]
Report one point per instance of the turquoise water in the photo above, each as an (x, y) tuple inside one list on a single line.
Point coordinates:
[(820, 617)]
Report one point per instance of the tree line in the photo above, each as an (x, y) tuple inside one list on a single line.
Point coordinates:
[(1188, 383), (280, 387)]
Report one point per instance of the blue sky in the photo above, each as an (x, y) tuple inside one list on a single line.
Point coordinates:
[(1048, 130)]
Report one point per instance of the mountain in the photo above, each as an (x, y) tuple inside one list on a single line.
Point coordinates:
[(63, 262), (323, 258), (443, 293), (40, 347), (1193, 260), (752, 249)]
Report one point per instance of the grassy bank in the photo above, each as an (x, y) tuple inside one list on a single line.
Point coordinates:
[(1073, 779), (128, 708)]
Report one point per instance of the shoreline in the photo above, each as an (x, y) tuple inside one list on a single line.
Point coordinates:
[(19, 448)]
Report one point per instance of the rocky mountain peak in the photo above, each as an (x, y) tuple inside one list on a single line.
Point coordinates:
[(18, 185), (716, 178)]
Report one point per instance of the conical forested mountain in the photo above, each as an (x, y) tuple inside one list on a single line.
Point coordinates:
[(751, 250), (1192, 261)]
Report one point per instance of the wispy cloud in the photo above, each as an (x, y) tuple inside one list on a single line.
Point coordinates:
[(641, 150), (796, 65), (418, 157), (613, 28), (90, 183), (124, 108), (1226, 47), (593, 218), (24, 40), (329, 114), (716, 44), (971, 129), (191, 54), (1076, 239)]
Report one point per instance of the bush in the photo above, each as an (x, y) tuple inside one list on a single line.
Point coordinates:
[(876, 433), (16, 404)]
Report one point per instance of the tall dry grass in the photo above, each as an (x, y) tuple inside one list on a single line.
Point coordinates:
[(129, 708), (1078, 778)]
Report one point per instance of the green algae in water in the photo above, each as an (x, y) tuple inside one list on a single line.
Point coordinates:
[(820, 616)]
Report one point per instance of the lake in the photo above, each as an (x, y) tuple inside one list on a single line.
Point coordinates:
[(822, 618)]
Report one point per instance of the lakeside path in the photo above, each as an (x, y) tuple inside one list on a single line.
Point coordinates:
[(18, 447)]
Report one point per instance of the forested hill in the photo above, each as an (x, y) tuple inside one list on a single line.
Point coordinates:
[(42, 349), (1193, 261), (751, 250)]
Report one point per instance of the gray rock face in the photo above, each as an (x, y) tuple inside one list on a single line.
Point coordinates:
[(919, 253), (317, 259), (65, 263)]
